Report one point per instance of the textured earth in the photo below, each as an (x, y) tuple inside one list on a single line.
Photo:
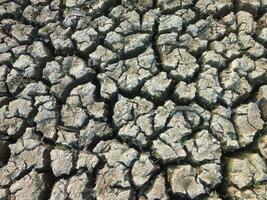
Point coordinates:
[(133, 99)]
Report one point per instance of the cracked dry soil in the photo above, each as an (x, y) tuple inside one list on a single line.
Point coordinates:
[(133, 99)]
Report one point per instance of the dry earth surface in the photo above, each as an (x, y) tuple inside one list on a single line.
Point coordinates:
[(133, 99)]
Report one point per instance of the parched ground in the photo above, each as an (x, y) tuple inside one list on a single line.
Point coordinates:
[(133, 99)]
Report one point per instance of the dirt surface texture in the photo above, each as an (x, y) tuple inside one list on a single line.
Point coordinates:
[(133, 99)]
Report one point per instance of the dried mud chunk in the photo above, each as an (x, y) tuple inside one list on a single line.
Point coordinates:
[(245, 22), (73, 117), (168, 152), (246, 169), (135, 43), (67, 137), (142, 170), (262, 36), (108, 79), (62, 162), (131, 23), (262, 144), (75, 187), (102, 56), (262, 95), (196, 47), (258, 166), (64, 73), (145, 124), (223, 129), (134, 118), (30, 187), (184, 92), (77, 68), (97, 110), (112, 181), (188, 15), (128, 75), (173, 4), (128, 45), (242, 66), (115, 133), (260, 71), (219, 7), (14, 168), (208, 86), (162, 114), (22, 32), (62, 86), (228, 46), (166, 43), (182, 180), (19, 108), (38, 50), (3, 72), (72, 3), (213, 59), (53, 71), (113, 184), (115, 42), (30, 150), (248, 122), (181, 64), (178, 127), (82, 95), (157, 87), (12, 126), (47, 117), (40, 14), (60, 39), (193, 117), (94, 130), (48, 29), (204, 147), (115, 153), (5, 58), (126, 110), (16, 76), (134, 133), (85, 39), (149, 19), (141, 5), (88, 161), (10, 8), (7, 43), (235, 193), (27, 65), (137, 71), (209, 29), (230, 80), (258, 192), (103, 24), (33, 90), (257, 51), (210, 174), (214, 196), (170, 23), (4, 193), (229, 97), (157, 190)]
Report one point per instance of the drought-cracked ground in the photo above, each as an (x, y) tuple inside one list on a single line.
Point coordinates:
[(133, 99)]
